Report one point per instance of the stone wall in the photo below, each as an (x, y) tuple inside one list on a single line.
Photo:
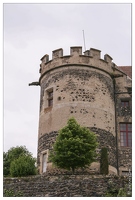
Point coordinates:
[(90, 89), (125, 158), (104, 138), (123, 115), (64, 185), (78, 91), (82, 92)]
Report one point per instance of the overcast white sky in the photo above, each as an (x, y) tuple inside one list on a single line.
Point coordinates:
[(33, 30)]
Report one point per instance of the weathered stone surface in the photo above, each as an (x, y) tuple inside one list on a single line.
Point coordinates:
[(83, 76), (90, 89), (105, 139), (63, 185)]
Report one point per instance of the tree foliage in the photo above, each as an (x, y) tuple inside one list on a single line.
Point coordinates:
[(11, 161), (114, 191), (104, 161), (74, 147), (23, 166), (6, 164)]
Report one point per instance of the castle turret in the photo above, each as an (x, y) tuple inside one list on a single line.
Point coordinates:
[(80, 86)]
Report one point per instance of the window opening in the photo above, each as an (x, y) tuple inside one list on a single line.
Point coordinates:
[(126, 135), (125, 173), (124, 103), (50, 98), (44, 162)]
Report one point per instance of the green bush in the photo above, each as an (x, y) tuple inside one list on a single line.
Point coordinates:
[(113, 191), (126, 191), (14, 162), (75, 147), (23, 166)]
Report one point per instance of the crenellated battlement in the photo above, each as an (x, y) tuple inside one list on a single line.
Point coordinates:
[(90, 58), (96, 93)]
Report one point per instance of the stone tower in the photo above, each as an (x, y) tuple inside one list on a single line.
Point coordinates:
[(81, 86)]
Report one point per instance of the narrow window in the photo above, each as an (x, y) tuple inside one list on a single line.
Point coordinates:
[(44, 162), (50, 98), (126, 135)]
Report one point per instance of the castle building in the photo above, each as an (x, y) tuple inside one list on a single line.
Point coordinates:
[(97, 93)]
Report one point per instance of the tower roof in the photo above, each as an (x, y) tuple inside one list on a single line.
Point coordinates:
[(127, 70)]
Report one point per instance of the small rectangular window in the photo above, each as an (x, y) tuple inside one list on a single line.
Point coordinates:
[(50, 94), (50, 102), (125, 173), (126, 134), (124, 103), (50, 98)]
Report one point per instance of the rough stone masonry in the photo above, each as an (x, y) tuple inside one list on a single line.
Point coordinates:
[(92, 90)]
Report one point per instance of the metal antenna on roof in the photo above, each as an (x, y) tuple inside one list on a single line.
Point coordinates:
[(84, 40)]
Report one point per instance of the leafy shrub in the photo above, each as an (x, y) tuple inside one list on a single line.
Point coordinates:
[(113, 191), (14, 161), (75, 147), (125, 192), (23, 166)]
